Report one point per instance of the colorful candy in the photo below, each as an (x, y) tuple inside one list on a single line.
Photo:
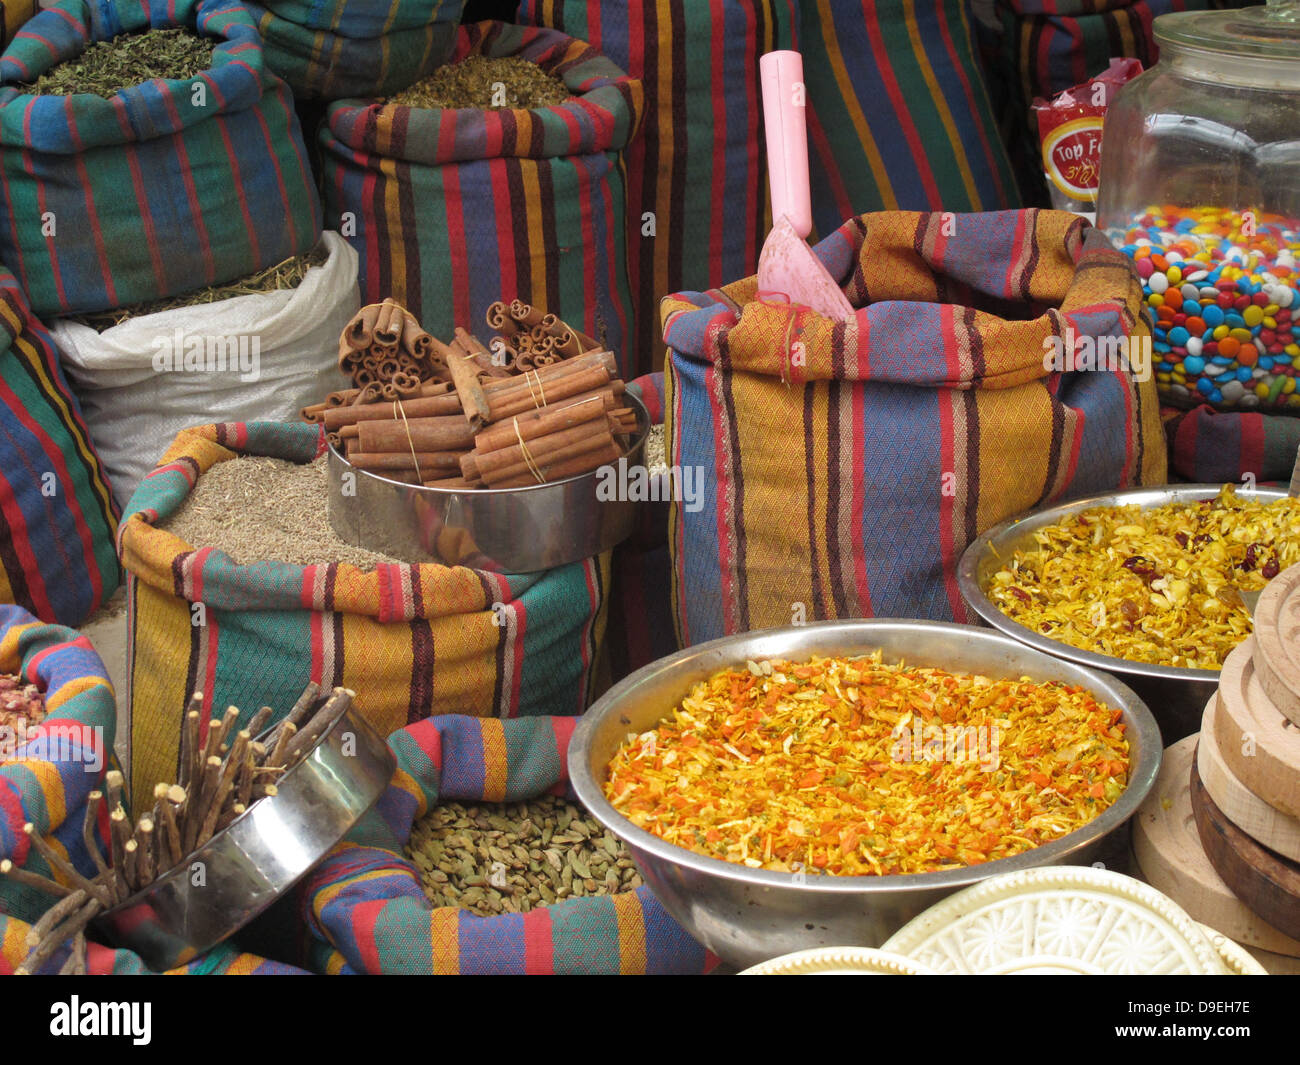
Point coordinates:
[(1220, 286)]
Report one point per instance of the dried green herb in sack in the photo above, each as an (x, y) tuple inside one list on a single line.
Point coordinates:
[(259, 509), (513, 857), (288, 274), (486, 85), (107, 67)]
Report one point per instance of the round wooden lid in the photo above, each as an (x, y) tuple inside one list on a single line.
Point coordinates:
[(1277, 831), (1259, 745), (1277, 642), (1266, 882), (1172, 860)]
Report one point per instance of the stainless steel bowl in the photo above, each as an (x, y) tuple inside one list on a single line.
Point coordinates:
[(750, 915), (245, 867), (505, 530), (1176, 695)]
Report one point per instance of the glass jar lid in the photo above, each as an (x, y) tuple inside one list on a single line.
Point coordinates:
[(1270, 31)]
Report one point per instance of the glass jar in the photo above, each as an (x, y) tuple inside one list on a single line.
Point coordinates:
[(1200, 184)]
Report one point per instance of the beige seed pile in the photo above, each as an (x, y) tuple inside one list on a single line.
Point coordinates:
[(259, 509), (656, 455), (510, 858)]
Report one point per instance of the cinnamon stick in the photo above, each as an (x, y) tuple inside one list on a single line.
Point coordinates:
[(360, 332), (403, 460), (388, 324), (566, 468), (529, 425), (481, 355), (418, 434), (566, 387), (423, 406), (473, 401), (544, 451)]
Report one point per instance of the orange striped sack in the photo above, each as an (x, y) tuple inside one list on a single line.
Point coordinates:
[(835, 470)]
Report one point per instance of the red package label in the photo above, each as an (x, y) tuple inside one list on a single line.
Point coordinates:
[(1070, 130)]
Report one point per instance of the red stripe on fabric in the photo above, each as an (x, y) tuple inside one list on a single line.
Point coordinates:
[(92, 216), (507, 267), (899, 104), (146, 215), (723, 486), (593, 602), (1076, 446), (1250, 458), (947, 503), (318, 618), (279, 175), (32, 670), (250, 230), (364, 916), (754, 194), (11, 809), (563, 728), (539, 942), (192, 197), (41, 205)]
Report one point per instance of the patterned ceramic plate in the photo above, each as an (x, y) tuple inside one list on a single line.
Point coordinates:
[(1236, 957), (1060, 919), (839, 961)]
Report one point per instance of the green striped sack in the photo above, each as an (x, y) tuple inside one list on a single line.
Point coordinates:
[(451, 210), (168, 186), (898, 114), (345, 49), (411, 641), (57, 516), (698, 171)]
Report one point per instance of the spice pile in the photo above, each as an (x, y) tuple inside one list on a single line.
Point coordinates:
[(286, 275), (222, 775), (1161, 585), (1222, 286), (518, 856), (855, 768), (485, 84), (541, 404), (107, 67), (22, 707), (258, 509)]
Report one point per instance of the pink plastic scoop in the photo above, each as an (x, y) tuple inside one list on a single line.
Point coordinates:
[(787, 265)]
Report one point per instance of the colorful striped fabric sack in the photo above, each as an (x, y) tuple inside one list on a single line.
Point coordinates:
[(898, 115), (47, 770), (845, 466), (57, 516), (334, 51), (222, 960), (168, 186), (1208, 446), (365, 901), (699, 166), (410, 640), (451, 210)]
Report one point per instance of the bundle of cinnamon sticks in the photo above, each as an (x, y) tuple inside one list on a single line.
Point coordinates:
[(384, 349), (221, 776), (499, 419)]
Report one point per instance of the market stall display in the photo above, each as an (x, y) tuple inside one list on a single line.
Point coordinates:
[(450, 210), (366, 903), (1200, 185), (901, 449), (747, 913), (1175, 693), (254, 349), (214, 167), (413, 639), (347, 48)]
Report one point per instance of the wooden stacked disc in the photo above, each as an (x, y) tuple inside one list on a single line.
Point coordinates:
[(1259, 745), (1277, 643), (1169, 852)]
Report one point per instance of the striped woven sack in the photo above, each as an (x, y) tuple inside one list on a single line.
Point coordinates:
[(365, 901), (697, 175), (411, 640), (898, 115), (221, 960), (57, 516), (363, 56), (47, 770), (451, 210), (167, 186), (845, 466), (1209, 447)]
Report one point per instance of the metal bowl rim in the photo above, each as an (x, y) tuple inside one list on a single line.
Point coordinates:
[(973, 594), (643, 420), (182, 868), (1141, 780)]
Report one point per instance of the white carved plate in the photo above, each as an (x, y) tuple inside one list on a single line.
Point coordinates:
[(1236, 957), (1060, 919), (838, 961)]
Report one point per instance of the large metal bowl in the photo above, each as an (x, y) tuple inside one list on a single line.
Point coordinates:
[(504, 530), (1176, 695), (250, 863), (750, 915)]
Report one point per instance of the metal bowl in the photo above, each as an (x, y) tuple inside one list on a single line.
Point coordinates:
[(504, 530), (746, 916), (1176, 695), (246, 866)]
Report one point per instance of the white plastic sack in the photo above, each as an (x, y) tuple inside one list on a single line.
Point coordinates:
[(252, 358)]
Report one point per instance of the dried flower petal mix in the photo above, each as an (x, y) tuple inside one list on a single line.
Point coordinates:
[(1160, 585), (855, 767)]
